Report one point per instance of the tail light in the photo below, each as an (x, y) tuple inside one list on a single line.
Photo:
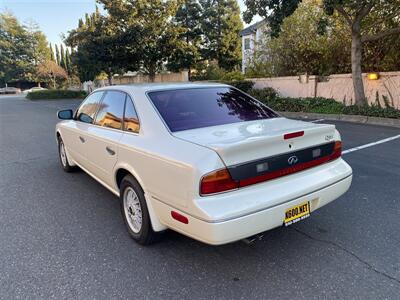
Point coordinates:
[(221, 180), (337, 150), (217, 181)]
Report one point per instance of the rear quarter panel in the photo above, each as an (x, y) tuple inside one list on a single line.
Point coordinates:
[(168, 169)]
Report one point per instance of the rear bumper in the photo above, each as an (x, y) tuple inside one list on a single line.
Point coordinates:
[(233, 229)]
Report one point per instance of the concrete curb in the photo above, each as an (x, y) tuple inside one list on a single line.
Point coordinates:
[(347, 118)]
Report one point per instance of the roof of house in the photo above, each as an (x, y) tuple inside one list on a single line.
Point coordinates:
[(252, 28)]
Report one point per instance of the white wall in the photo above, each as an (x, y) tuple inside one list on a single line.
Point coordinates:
[(338, 87)]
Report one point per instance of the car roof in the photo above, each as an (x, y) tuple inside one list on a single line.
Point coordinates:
[(147, 87)]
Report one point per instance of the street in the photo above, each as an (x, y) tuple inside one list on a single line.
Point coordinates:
[(62, 235)]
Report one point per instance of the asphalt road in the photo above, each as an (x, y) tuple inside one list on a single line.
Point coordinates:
[(62, 236)]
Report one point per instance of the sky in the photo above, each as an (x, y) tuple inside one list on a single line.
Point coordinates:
[(56, 17)]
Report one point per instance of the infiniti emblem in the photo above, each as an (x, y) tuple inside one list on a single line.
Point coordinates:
[(292, 160)]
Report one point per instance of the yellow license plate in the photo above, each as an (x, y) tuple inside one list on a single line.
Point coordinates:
[(297, 213)]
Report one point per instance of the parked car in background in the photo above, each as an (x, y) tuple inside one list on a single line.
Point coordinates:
[(206, 160), (34, 89), (10, 90)]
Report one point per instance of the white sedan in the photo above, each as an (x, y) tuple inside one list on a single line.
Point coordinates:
[(206, 160), (34, 89)]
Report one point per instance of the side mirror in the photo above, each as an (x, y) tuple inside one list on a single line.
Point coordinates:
[(65, 114)]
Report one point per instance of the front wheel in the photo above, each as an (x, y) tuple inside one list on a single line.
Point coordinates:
[(134, 211), (62, 153)]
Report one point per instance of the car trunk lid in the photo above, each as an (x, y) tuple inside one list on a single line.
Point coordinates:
[(244, 142)]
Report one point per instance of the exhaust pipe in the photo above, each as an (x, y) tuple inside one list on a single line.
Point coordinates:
[(253, 238)]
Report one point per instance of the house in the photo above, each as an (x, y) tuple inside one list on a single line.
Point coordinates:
[(250, 37)]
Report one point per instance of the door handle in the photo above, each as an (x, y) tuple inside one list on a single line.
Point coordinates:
[(110, 151), (82, 139)]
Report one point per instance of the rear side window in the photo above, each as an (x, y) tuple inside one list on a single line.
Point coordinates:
[(203, 107), (89, 107), (131, 120), (111, 110)]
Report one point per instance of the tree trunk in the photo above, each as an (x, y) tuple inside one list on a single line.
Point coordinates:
[(356, 55), (152, 76), (152, 72), (109, 77)]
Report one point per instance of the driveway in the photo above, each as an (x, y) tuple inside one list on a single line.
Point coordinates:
[(62, 236)]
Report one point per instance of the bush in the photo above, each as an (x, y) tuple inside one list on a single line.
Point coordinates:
[(372, 111), (320, 105), (265, 93), (216, 73), (210, 73), (233, 76), (56, 94), (244, 85)]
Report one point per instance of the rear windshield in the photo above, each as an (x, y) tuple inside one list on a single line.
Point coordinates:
[(203, 107)]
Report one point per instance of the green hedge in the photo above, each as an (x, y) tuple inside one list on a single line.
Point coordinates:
[(244, 85), (320, 105), (56, 94)]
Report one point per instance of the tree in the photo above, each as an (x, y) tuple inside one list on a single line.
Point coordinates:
[(366, 22), (309, 42), (67, 61), (49, 70), (274, 11), (38, 43), (187, 55), (39, 50), (58, 58), (22, 49), (62, 57), (146, 31), (99, 47), (88, 21), (221, 25), (383, 54), (51, 53), (15, 55)]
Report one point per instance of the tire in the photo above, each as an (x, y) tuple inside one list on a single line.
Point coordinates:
[(135, 213), (62, 154)]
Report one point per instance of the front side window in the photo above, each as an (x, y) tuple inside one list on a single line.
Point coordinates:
[(111, 110), (89, 107), (202, 107), (131, 120)]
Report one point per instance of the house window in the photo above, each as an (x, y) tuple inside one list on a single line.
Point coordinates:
[(246, 43)]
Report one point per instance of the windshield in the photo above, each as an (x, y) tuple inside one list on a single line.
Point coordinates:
[(203, 107)]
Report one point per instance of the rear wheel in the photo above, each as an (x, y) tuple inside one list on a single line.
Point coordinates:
[(62, 153), (134, 211)]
